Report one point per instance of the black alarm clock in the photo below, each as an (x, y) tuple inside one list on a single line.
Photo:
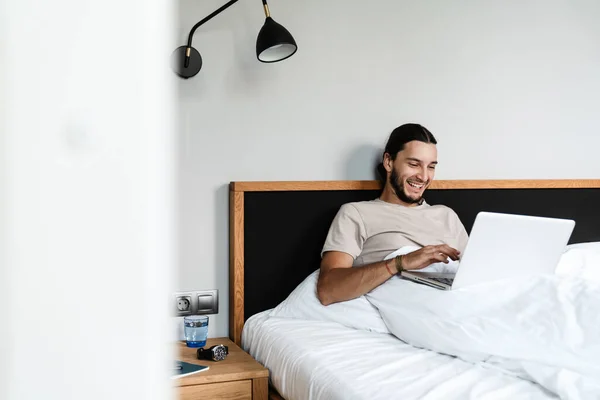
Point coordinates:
[(217, 352)]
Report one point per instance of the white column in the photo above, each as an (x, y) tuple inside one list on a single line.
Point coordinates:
[(87, 199)]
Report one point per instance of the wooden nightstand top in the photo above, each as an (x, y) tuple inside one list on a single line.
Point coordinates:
[(238, 365)]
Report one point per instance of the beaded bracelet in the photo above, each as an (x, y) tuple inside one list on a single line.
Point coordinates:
[(399, 266)]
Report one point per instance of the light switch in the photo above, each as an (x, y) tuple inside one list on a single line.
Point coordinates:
[(205, 302), (208, 302)]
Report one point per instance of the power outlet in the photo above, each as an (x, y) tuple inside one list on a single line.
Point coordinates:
[(200, 302), (183, 304)]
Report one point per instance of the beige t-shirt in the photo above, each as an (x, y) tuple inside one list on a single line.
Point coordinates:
[(370, 230)]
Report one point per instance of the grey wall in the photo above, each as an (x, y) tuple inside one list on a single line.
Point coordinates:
[(511, 90)]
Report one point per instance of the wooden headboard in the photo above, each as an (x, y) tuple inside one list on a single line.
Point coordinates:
[(277, 229)]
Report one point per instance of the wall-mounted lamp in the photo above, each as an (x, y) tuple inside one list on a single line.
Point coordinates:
[(274, 43)]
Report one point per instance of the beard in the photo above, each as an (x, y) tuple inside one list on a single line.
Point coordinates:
[(399, 189)]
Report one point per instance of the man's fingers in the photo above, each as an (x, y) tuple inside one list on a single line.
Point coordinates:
[(441, 253), (450, 251), (440, 257)]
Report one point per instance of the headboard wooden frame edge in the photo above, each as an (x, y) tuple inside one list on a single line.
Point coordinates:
[(236, 219)]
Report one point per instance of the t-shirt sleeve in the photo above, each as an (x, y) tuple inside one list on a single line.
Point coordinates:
[(346, 233)]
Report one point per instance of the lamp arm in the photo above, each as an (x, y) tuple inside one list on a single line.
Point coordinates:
[(219, 10), (266, 7), (208, 18)]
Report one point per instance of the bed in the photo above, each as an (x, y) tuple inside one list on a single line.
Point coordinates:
[(277, 230), (322, 360)]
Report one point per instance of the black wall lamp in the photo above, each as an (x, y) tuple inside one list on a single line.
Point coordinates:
[(274, 43)]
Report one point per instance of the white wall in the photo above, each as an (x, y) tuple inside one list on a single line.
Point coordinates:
[(4, 275), (511, 90), (87, 200)]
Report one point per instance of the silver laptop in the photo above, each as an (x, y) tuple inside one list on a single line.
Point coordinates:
[(503, 246)]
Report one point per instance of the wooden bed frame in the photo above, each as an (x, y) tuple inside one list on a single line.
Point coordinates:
[(576, 199)]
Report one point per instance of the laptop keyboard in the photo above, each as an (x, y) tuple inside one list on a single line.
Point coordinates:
[(445, 281)]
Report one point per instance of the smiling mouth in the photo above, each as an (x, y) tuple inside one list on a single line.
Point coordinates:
[(415, 184)]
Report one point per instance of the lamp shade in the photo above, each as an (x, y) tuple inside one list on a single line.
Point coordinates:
[(274, 42)]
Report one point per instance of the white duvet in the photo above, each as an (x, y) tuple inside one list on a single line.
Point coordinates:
[(545, 329)]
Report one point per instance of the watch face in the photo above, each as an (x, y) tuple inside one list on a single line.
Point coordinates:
[(219, 353)]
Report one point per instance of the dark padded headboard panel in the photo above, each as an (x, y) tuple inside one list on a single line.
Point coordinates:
[(284, 231)]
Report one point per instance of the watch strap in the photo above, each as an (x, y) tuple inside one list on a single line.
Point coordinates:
[(204, 354)]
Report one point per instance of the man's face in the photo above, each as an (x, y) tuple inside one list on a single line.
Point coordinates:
[(412, 171)]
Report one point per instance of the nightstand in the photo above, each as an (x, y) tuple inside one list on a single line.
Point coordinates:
[(238, 377)]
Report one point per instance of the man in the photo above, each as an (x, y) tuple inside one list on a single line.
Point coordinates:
[(364, 233)]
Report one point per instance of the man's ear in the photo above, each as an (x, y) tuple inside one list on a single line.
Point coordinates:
[(387, 162)]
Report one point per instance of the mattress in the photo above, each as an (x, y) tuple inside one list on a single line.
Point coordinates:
[(326, 360)]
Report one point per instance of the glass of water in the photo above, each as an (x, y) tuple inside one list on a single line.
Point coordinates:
[(196, 330)]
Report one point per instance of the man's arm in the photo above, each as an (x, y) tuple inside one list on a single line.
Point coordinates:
[(338, 281)]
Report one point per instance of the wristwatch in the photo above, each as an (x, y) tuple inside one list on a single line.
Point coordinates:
[(217, 352)]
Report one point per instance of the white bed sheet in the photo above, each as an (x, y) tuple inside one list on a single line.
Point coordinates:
[(310, 360)]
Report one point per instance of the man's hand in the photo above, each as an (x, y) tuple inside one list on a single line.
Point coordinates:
[(428, 255)]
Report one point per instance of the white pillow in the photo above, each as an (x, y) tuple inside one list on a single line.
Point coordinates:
[(303, 303), (582, 260)]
